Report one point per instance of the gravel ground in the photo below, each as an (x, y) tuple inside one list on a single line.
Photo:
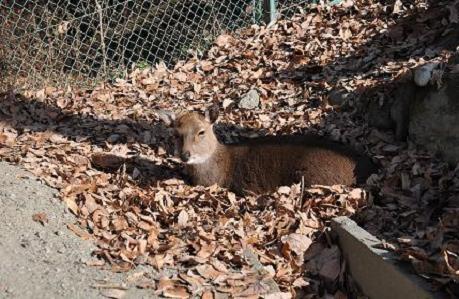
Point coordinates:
[(48, 261)]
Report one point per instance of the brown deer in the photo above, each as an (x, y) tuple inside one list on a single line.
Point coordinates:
[(262, 164)]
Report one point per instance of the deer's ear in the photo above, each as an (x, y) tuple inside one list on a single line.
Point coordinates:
[(212, 113), (168, 117)]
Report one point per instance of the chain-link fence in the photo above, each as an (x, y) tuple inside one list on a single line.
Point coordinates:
[(57, 42)]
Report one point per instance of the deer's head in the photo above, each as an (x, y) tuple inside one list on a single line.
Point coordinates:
[(195, 139)]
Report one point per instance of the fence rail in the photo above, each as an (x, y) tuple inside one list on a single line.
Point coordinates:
[(56, 42)]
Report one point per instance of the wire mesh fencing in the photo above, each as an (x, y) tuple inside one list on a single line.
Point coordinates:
[(74, 42), (287, 8)]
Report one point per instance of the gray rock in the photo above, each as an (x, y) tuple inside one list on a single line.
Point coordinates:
[(423, 74), (400, 109), (434, 119), (337, 97), (250, 100), (113, 138), (426, 115)]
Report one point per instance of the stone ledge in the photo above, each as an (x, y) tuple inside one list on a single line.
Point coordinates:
[(377, 271)]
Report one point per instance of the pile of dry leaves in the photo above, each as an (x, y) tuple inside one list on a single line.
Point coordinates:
[(110, 157)]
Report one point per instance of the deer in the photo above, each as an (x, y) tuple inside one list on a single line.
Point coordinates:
[(262, 164)]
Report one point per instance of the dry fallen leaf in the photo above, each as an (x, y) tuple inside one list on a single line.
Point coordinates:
[(107, 161), (40, 217), (183, 218), (224, 40), (165, 283), (7, 138), (207, 295), (284, 190), (113, 293), (453, 13), (278, 295), (398, 7), (71, 204), (79, 232), (297, 243), (176, 292), (208, 272)]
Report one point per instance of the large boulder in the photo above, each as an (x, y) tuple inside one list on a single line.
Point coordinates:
[(424, 107)]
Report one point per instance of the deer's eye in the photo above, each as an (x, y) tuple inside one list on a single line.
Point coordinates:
[(201, 133)]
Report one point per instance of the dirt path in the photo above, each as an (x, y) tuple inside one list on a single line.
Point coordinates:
[(48, 261)]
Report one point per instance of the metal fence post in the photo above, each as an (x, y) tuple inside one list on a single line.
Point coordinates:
[(258, 11), (269, 11)]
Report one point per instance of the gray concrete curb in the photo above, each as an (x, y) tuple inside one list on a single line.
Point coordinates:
[(377, 271)]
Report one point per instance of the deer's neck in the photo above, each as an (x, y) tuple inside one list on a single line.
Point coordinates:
[(215, 170)]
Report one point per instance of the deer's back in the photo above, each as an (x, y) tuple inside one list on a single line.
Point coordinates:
[(263, 164)]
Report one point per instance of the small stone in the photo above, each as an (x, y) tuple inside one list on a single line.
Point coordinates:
[(335, 134), (147, 138), (124, 129), (390, 148), (113, 138), (250, 101), (406, 182), (284, 190), (25, 243), (423, 74), (227, 103), (337, 97), (135, 173)]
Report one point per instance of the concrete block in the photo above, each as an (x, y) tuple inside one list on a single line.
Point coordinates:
[(377, 271)]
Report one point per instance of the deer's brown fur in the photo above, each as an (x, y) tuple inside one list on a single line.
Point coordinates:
[(263, 164)]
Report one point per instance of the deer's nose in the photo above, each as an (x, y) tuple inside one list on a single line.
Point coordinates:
[(185, 156)]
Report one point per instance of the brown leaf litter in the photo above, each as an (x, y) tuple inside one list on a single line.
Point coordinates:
[(111, 158)]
